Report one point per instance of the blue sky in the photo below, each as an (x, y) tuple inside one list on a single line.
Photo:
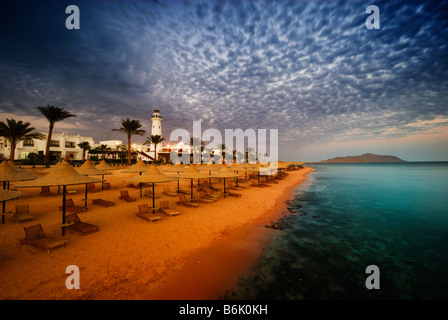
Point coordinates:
[(310, 69)]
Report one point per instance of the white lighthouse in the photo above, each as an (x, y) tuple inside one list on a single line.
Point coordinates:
[(156, 123)]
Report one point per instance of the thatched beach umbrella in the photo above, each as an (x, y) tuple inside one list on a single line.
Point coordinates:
[(139, 168), (9, 173), (29, 175), (104, 166), (224, 173), (87, 169), (62, 175), (192, 173), (176, 169), (6, 195), (151, 175), (211, 167)]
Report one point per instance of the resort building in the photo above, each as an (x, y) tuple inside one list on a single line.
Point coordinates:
[(61, 146)]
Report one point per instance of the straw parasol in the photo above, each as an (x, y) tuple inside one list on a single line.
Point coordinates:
[(87, 169), (211, 167), (9, 173), (27, 173), (151, 175), (62, 175), (192, 173), (139, 167), (104, 166), (224, 173), (176, 169), (6, 195)]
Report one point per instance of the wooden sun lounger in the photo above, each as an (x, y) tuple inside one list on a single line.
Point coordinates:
[(103, 203), (183, 201), (233, 194), (148, 193), (200, 197), (232, 187), (207, 194), (145, 212), (91, 187), (166, 209), (258, 185), (45, 191), (23, 213), (70, 206), (168, 192), (35, 236), (78, 225), (125, 196)]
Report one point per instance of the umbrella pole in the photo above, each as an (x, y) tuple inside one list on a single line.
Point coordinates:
[(192, 190), (153, 199), (141, 190), (85, 198), (63, 207), (224, 187), (3, 211), (102, 182)]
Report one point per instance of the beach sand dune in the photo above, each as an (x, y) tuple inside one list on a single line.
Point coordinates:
[(130, 258)]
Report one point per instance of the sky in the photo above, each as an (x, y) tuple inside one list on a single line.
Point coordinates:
[(310, 69)]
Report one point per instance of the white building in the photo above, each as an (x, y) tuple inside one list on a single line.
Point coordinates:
[(61, 146)]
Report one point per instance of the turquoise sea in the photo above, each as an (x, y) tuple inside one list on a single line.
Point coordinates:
[(349, 216)]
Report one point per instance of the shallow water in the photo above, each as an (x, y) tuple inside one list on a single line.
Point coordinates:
[(350, 216)]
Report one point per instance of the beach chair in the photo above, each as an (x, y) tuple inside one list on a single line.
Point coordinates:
[(231, 186), (166, 209), (103, 203), (168, 192), (202, 198), (91, 187), (70, 206), (233, 194), (35, 236), (23, 213), (183, 201), (145, 212), (125, 196), (148, 193), (209, 194), (258, 185), (107, 186), (78, 225), (45, 191), (131, 185)]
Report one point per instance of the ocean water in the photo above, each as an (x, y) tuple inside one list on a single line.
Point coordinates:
[(350, 216)]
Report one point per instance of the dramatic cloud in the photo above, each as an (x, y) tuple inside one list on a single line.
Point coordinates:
[(308, 68)]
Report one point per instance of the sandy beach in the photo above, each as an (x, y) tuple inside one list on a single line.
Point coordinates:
[(198, 254)]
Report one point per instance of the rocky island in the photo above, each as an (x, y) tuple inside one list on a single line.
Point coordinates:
[(366, 157)]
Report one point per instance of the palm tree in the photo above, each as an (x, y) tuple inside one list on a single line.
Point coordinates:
[(130, 128), (102, 148), (53, 115), (222, 147), (194, 142), (154, 139), (14, 132), (85, 146)]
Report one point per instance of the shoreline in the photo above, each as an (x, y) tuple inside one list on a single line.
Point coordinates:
[(224, 258), (128, 257)]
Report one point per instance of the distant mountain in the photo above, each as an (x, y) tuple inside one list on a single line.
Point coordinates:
[(366, 157)]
